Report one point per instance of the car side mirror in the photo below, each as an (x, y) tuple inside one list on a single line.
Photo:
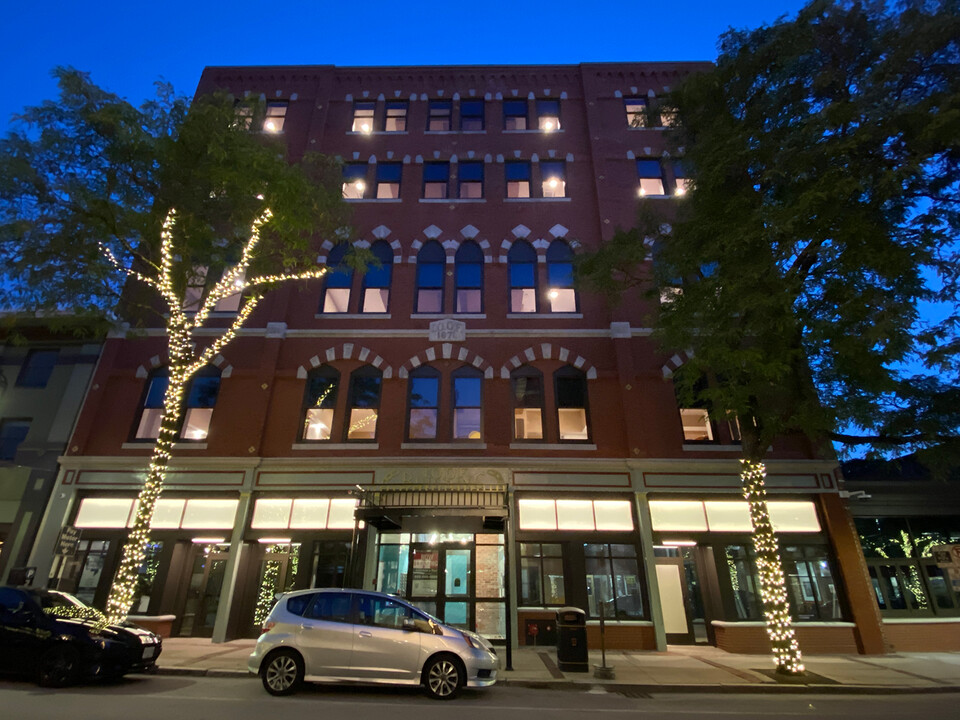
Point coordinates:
[(410, 624)]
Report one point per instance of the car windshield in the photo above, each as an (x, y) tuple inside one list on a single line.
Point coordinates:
[(64, 605)]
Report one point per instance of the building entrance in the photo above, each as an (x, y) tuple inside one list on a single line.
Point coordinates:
[(440, 581), (208, 567), (679, 577)]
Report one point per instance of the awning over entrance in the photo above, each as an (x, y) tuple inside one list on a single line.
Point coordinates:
[(385, 506)]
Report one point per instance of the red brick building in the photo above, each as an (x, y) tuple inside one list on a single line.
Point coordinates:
[(460, 425)]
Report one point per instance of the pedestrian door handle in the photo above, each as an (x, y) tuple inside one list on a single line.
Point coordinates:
[(365, 633)]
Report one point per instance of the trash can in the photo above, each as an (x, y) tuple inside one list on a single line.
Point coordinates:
[(572, 640)]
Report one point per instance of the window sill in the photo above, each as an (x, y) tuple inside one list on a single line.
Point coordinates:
[(537, 445), (352, 316), (537, 131), (653, 127), (708, 447), (540, 199), (543, 316), (454, 132), (437, 201), (148, 445), (373, 200), (323, 445), (430, 445), (448, 316), (920, 620), (378, 132), (796, 623)]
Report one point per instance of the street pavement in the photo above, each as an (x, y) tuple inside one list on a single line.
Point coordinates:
[(682, 668)]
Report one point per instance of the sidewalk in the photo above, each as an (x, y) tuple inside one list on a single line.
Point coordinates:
[(683, 668)]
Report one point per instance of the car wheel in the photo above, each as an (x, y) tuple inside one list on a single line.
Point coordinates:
[(59, 667), (443, 678), (282, 673)]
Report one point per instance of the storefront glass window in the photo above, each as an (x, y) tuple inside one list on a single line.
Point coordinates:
[(96, 554), (743, 582), (541, 574), (392, 569), (613, 581), (146, 577), (884, 538), (278, 572), (810, 584)]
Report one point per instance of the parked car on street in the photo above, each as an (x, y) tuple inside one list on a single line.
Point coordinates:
[(361, 636), (57, 640)]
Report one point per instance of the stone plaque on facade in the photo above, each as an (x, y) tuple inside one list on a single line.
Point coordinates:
[(448, 331)]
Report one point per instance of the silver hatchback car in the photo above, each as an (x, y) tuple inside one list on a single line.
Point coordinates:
[(361, 636)]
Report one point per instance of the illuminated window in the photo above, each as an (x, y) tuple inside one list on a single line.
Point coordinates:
[(431, 263), (319, 402), (471, 115), (518, 179), (467, 404), (209, 514), (514, 114), (376, 280), (440, 112), (195, 288), (354, 181), (396, 117), (363, 117), (683, 515), (527, 385), (613, 581), (337, 282), (12, 434), (681, 182), (650, 177), (103, 513), (276, 114), (423, 404), (468, 278), (152, 414), (574, 515), (37, 368), (231, 303), (571, 394), (470, 178), (696, 425), (436, 176), (201, 397), (522, 268), (541, 574), (636, 109), (553, 174), (364, 403), (548, 115), (302, 513), (388, 181), (560, 292)]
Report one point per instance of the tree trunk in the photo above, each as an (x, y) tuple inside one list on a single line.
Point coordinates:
[(773, 590), (134, 551)]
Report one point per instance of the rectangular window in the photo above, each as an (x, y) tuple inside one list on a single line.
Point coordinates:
[(696, 425), (149, 426), (471, 115), (548, 115), (37, 368), (572, 408), (275, 117), (553, 174), (518, 179), (810, 583), (196, 285), (467, 392), (613, 581), (636, 109), (396, 117), (440, 115), (743, 582), (681, 183), (354, 181), (231, 303), (471, 180), (541, 574), (363, 117), (650, 176), (514, 114), (435, 180), (528, 407), (388, 181), (424, 394), (12, 433), (364, 406)]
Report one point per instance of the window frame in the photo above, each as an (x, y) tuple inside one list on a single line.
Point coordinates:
[(458, 262), (516, 105), (560, 190), (387, 117), (528, 371), (337, 269), (29, 376), (364, 371), (384, 178), (424, 372), (363, 105), (384, 253), (541, 103), (461, 181), (435, 167), (321, 371), (512, 167), (570, 372), (430, 248), (351, 175), (271, 116), (439, 110), (648, 175), (469, 373), (164, 372), (473, 116), (9, 422), (516, 248)]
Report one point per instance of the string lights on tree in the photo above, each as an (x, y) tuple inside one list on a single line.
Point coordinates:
[(184, 361), (773, 589)]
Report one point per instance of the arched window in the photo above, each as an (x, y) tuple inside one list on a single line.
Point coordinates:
[(467, 404), (376, 280), (527, 385), (336, 289), (364, 403), (423, 404), (469, 278), (319, 401), (201, 397), (430, 264), (563, 298), (570, 389), (522, 264)]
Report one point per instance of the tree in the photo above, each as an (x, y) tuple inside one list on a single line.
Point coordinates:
[(821, 230), (161, 211)]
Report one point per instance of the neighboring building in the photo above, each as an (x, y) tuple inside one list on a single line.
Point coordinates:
[(459, 425), (44, 376), (902, 511)]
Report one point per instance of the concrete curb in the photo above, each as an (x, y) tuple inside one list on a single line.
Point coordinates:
[(637, 689)]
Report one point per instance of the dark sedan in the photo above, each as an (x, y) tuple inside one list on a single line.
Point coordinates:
[(57, 640)]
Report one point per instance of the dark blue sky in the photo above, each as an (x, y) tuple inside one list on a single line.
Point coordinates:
[(128, 45)]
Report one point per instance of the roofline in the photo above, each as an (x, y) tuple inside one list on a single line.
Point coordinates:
[(502, 66)]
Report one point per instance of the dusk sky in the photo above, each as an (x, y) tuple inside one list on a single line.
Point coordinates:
[(127, 46)]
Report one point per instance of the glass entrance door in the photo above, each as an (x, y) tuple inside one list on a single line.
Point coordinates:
[(440, 582), (203, 591)]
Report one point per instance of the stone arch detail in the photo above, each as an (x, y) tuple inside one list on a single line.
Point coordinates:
[(545, 351), (540, 245), (347, 351), (446, 351), (377, 234), (671, 366), (142, 373)]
